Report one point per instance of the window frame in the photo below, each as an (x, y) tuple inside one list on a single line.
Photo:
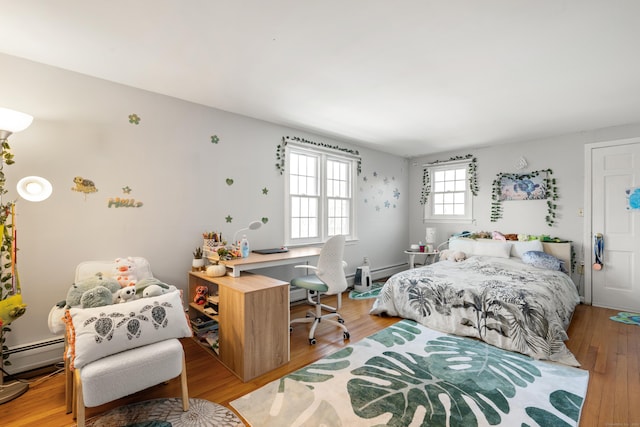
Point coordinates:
[(428, 214), (323, 156)]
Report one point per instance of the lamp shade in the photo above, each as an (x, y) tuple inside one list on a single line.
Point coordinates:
[(14, 121), (34, 188), (430, 235)]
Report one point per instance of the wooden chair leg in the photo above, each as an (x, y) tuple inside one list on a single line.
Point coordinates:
[(183, 385), (68, 385), (80, 413)]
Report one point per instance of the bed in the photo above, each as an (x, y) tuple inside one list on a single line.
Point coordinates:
[(493, 295)]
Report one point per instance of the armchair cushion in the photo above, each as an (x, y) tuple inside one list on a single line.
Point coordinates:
[(93, 333)]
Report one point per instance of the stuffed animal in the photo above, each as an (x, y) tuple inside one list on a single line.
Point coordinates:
[(145, 283), (496, 235), (124, 295), (155, 290), (125, 271), (96, 297), (74, 295), (201, 295), (451, 255), (11, 308)]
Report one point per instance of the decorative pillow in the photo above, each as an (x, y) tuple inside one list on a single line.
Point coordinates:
[(543, 260), (520, 248), (462, 244), (93, 333), (494, 248)]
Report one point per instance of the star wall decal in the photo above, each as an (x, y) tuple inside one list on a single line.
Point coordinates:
[(265, 191), (229, 218), (215, 139), (126, 189)]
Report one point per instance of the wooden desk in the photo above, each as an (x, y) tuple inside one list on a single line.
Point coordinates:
[(254, 260), (253, 321)]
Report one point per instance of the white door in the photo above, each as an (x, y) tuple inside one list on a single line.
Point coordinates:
[(614, 170)]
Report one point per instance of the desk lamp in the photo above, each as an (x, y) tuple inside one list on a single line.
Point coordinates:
[(252, 226)]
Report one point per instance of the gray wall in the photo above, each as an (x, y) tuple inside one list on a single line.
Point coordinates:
[(81, 128)]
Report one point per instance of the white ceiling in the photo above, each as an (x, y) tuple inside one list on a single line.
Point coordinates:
[(407, 77)]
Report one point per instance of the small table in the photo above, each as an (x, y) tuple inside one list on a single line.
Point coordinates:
[(427, 260)]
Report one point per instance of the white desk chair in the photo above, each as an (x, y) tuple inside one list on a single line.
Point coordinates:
[(329, 279)]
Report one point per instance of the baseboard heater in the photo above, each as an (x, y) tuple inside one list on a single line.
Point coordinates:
[(34, 355)]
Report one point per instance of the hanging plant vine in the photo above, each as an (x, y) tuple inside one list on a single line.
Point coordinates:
[(550, 186), (472, 168), (280, 151)]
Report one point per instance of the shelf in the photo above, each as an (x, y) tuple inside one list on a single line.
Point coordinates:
[(200, 308)]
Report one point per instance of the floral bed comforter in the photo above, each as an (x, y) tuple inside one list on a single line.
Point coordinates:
[(503, 302)]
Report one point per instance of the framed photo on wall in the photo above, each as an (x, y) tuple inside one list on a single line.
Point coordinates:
[(523, 187)]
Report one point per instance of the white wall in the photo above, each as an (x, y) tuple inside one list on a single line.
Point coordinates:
[(564, 155), (81, 128)]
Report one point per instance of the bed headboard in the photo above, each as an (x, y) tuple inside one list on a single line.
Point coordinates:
[(562, 251)]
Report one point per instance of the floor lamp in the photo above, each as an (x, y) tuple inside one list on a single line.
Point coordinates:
[(14, 121)]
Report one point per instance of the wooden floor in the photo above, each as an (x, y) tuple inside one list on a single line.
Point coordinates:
[(609, 350)]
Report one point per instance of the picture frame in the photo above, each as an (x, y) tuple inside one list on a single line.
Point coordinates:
[(523, 187)]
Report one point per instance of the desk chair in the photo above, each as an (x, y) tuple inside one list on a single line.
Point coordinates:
[(329, 279)]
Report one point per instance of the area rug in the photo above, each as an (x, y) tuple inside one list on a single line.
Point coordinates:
[(628, 318), (167, 412), (408, 375), (371, 293)]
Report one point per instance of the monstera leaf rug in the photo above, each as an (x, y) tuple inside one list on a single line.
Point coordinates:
[(408, 375), (369, 294)]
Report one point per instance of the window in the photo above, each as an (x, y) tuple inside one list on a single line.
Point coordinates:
[(450, 198), (320, 191)]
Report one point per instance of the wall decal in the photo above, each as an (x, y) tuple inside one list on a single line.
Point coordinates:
[(379, 192), (83, 185), (229, 181), (117, 202), (228, 218), (134, 119), (215, 139), (633, 198), (265, 191), (265, 220)]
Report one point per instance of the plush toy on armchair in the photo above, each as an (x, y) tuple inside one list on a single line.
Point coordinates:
[(125, 271)]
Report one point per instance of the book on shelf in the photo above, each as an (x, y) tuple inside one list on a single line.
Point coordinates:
[(203, 323)]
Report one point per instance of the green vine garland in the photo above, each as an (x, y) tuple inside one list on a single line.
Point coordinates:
[(280, 151), (6, 245), (471, 169), (549, 182)]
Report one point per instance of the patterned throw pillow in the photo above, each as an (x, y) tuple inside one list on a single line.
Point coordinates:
[(543, 260), (94, 333)]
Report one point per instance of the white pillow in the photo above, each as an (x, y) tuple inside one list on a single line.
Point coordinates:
[(462, 244), (94, 333), (494, 248), (520, 248)]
